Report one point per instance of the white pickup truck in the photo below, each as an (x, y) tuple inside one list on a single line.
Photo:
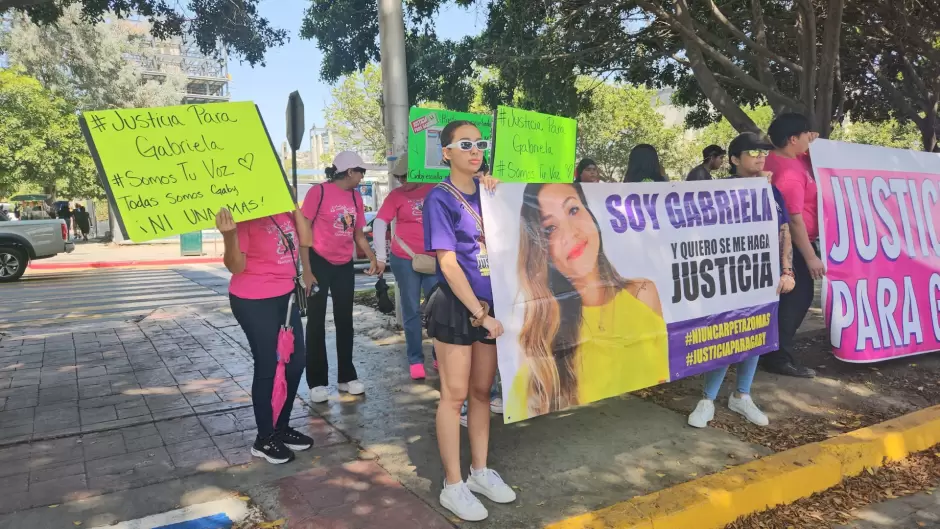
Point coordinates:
[(27, 240)]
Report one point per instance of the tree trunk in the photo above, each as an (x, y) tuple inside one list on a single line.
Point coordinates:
[(928, 129), (827, 67)]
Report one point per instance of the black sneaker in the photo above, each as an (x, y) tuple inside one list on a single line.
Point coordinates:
[(273, 450), (295, 440), (790, 369)]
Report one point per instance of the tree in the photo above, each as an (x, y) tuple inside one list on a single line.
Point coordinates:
[(898, 75), (890, 133), (719, 58), (86, 63), (621, 117), (235, 24), (40, 142), (355, 115), (347, 32)]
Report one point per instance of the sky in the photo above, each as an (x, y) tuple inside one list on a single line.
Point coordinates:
[(296, 66)]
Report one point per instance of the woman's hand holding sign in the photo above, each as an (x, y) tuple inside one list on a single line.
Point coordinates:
[(224, 221)]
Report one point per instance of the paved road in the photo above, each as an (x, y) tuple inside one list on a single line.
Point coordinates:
[(43, 299), (48, 299)]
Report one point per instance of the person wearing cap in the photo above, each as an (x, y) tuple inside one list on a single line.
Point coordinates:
[(713, 157), (336, 213), (748, 153), (412, 265)]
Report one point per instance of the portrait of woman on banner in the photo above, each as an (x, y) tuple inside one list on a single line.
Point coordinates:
[(588, 333)]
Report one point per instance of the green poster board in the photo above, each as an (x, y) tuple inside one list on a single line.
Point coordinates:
[(169, 170), (424, 142), (533, 147)]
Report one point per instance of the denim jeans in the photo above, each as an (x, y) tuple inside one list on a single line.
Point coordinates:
[(746, 370), (261, 319), (410, 286)]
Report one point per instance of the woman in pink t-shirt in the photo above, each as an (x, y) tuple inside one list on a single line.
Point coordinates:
[(262, 255), (335, 211), (405, 205)]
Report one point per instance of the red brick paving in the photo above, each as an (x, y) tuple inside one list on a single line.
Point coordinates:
[(358, 495)]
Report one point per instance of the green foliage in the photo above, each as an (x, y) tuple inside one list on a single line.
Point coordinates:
[(86, 63), (40, 142), (236, 24), (887, 134), (621, 117), (355, 115)]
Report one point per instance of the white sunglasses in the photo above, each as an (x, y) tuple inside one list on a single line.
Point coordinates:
[(468, 145)]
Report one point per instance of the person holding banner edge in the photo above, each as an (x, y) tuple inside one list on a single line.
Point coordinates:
[(336, 214), (747, 154), (262, 256), (579, 311), (459, 318), (414, 268), (791, 134)]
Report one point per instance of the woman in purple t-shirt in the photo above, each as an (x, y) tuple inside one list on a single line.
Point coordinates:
[(459, 317), (263, 255)]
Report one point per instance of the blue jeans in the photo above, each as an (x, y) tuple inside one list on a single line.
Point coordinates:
[(410, 285), (746, 370)]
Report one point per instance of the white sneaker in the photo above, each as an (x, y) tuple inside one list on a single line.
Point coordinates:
[(496, 405), (746, 407), (353, 387), (704, 412), (488, 483), (459, 500), (319, 394)]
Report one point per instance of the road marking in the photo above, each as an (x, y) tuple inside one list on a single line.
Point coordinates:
[(221, 514)]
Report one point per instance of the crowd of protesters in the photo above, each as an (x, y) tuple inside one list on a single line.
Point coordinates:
[(288, 262)]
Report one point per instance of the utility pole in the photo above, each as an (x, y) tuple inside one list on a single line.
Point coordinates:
[(394, 92)]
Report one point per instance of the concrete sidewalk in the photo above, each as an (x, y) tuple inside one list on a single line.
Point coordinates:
[(130, 419)]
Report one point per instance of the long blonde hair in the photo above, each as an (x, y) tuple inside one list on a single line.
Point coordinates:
[(551, 329)]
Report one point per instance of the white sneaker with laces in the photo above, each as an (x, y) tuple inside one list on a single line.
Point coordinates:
[(319, 394), (746, 407), (488, 483), (704, 411), (496, 405), (353, 387), (459, 500)]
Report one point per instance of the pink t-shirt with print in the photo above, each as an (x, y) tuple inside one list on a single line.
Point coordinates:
[(335, 220), (793, 177), (269, 267), (406, 208)]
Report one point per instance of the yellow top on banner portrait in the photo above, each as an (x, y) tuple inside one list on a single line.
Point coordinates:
[(168, 170), (533, 147)]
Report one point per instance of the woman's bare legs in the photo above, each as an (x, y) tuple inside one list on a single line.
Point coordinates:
[(454, 367), (482, 371)]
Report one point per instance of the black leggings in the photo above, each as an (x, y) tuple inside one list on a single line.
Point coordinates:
[(339, 283), (261, 319), (792, 309)]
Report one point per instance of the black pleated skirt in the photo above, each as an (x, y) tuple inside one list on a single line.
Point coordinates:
[(448, 320)]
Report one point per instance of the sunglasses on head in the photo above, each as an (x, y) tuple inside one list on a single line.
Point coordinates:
[(468, 145)]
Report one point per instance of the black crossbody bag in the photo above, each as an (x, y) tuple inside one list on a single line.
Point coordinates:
[(300, 292)]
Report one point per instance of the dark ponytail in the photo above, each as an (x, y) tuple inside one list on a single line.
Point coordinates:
[(332, 175)]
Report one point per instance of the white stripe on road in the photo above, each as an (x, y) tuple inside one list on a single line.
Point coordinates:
[(235, 509)]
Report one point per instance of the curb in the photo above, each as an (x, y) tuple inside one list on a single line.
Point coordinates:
[(714, 501), (123, 264)]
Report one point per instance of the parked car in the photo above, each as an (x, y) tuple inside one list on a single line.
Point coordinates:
[(29, 240)]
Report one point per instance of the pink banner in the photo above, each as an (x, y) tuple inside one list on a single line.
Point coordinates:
[(879, 230)]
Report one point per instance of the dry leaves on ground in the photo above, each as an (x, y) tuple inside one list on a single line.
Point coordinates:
[(833, 507)]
